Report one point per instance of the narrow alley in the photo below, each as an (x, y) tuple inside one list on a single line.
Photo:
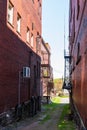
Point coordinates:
[(43, 64), (43, 121)]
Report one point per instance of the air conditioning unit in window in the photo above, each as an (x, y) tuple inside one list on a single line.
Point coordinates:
[(26, 72)]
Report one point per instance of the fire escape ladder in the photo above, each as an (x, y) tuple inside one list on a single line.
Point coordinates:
[(67, 83)]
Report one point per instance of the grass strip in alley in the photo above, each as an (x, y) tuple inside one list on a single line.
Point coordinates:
[(66, 122), (49, 108)]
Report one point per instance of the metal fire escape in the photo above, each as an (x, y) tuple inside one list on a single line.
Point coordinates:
[(67, 81)]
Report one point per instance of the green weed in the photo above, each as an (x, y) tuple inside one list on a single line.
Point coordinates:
[(64, 122), (49, 108)]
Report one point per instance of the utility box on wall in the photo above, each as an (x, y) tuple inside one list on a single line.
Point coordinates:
[(26, 72)]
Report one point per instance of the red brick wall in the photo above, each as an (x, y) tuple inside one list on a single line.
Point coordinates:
[(79, 77), (29, 14), (14, 55)]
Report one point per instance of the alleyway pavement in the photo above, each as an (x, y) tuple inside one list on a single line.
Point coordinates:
[(36, 122)]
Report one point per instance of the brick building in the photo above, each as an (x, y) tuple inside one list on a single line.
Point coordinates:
[(20, 25), (46, 71), (78, 64)]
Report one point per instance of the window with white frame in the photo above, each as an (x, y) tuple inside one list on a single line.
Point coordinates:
[(32, 40), (10, 12), (18, 23), (28, 35)]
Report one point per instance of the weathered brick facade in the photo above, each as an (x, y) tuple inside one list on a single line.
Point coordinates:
[(46, 71), (78, 52), (16, 53)]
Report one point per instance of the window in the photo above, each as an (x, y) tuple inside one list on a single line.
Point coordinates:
[(78, 54), (78, 8), (33, 1), (72, 65), (10, 13), (32, 26), (18, 23), (32, 40), (45, 72), (78, 50), (39, 10), (28, 35), (73, 27), (70, 11)]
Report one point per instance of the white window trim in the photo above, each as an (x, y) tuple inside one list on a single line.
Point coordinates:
[(18, 23), (10, 13)]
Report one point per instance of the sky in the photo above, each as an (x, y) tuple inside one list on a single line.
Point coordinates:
[(55, 15)]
